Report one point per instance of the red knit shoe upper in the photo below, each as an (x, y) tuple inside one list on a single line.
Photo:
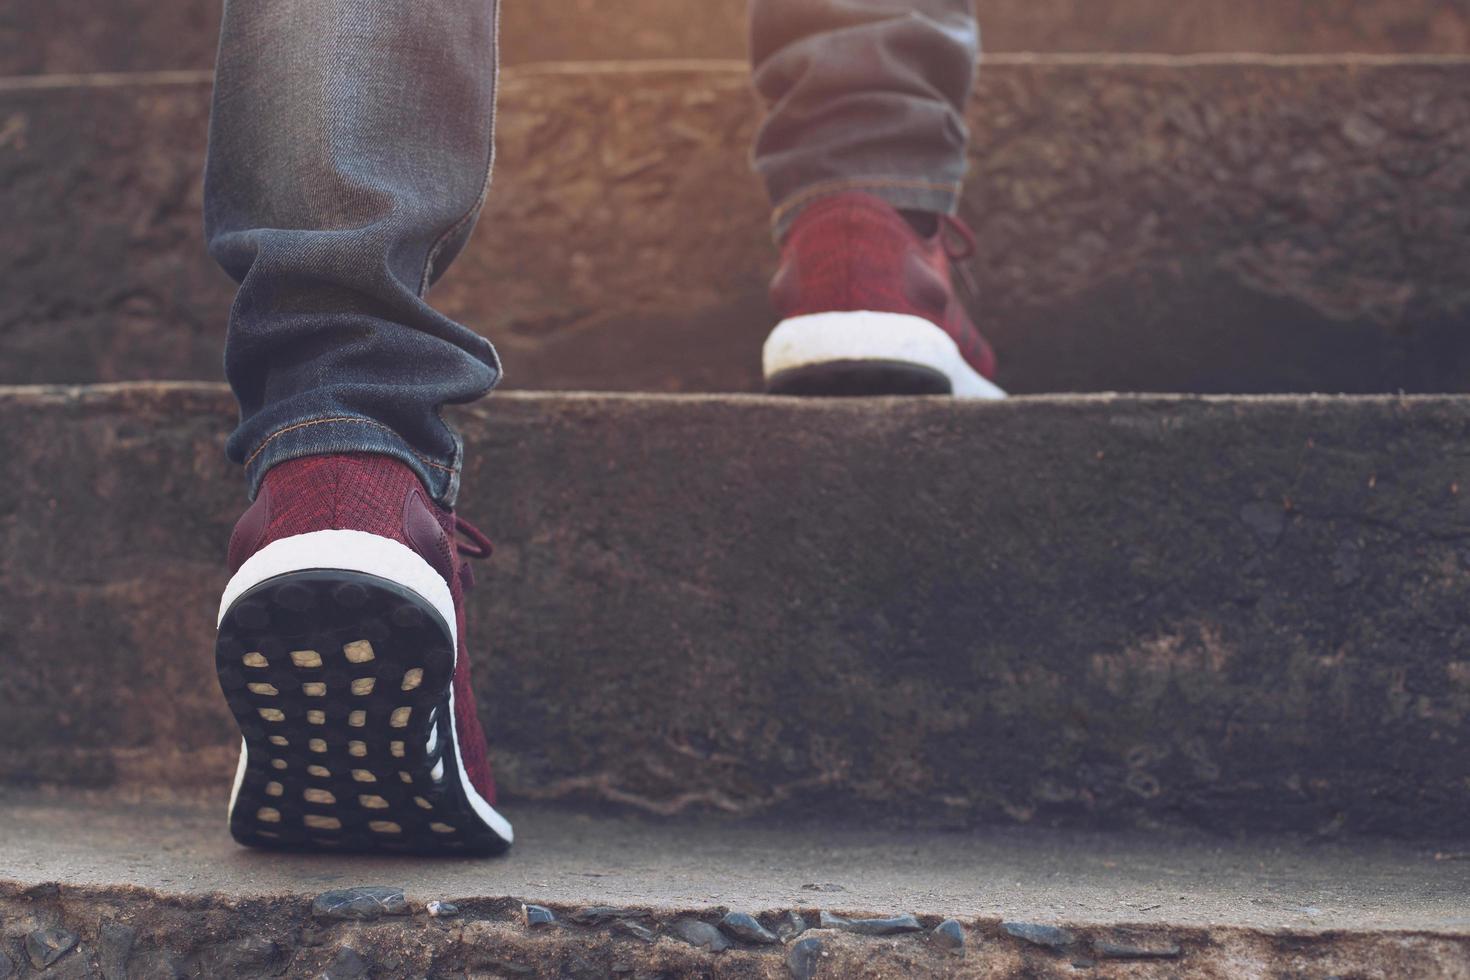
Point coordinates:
[(854, 251), (382, 496)]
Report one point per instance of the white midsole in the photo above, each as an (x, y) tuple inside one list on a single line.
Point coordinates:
[(370, 554), (351, 551), (864, 335), (487, 814)]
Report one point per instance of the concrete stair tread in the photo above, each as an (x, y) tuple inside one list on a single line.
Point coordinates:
[(1228, 613), (572, 858), (1281, 901), (1144, 223)]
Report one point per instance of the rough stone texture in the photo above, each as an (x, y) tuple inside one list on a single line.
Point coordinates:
[(348, 964), (46, 946), (195, 935), (747, 928), (1235, 225), (790, 926), (131, 35), (1047, 610), (1150, 891), (871, 927), (1040, 934), (701, 934), (804, 959), (1112, 950), (364, 904), (950, 935), (115, 946)]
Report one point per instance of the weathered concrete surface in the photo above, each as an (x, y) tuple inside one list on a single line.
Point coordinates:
[(38, 36), (1165, 226), (1227, 613), (140, 884)]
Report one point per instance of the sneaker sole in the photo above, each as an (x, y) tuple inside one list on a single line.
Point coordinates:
[(868, 353), (859, 379), (342, 684)]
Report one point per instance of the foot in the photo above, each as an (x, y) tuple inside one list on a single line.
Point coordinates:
[(341, 652), (868, 307)]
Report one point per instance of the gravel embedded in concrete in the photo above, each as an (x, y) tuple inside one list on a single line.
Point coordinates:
[(747, 928), (1052, 937), (46, 946), (538, 915), (950, 935), (890, 926), (360, 904), (636, 930), (698, 933), (596, 915), (803, 958), (791, 925)]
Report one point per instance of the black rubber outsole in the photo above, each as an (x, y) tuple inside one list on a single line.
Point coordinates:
[(337, 679), (860, 379)]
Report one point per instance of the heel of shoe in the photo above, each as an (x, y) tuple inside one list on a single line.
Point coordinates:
[(342, 685), (868, 353)]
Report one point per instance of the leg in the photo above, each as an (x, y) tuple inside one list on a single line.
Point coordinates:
[(863, 95), (350, 150), (862, 152)]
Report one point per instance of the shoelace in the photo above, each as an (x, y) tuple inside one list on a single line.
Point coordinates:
[(474, 544), (951, 227), (478, 546), (965, 247)]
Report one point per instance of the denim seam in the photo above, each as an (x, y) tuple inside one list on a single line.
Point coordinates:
[(856, 183), (344, 418), (479, 203), (469, 215)]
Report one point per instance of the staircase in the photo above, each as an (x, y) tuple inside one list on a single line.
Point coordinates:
[(1146, 685)]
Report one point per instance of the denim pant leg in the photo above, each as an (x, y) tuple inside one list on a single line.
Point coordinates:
[(350, 149), (863, 95)]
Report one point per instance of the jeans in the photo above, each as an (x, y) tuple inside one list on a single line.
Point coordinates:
[(350, 151)]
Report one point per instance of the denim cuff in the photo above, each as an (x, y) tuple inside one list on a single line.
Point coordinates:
[(909, 193), (353, 434)]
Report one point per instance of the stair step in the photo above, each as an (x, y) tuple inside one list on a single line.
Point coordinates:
[(146, 886), (39, 36), (1227, 613), (1145, 224)]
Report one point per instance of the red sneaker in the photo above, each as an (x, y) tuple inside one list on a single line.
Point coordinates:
[(341, 653), (868, 307)]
